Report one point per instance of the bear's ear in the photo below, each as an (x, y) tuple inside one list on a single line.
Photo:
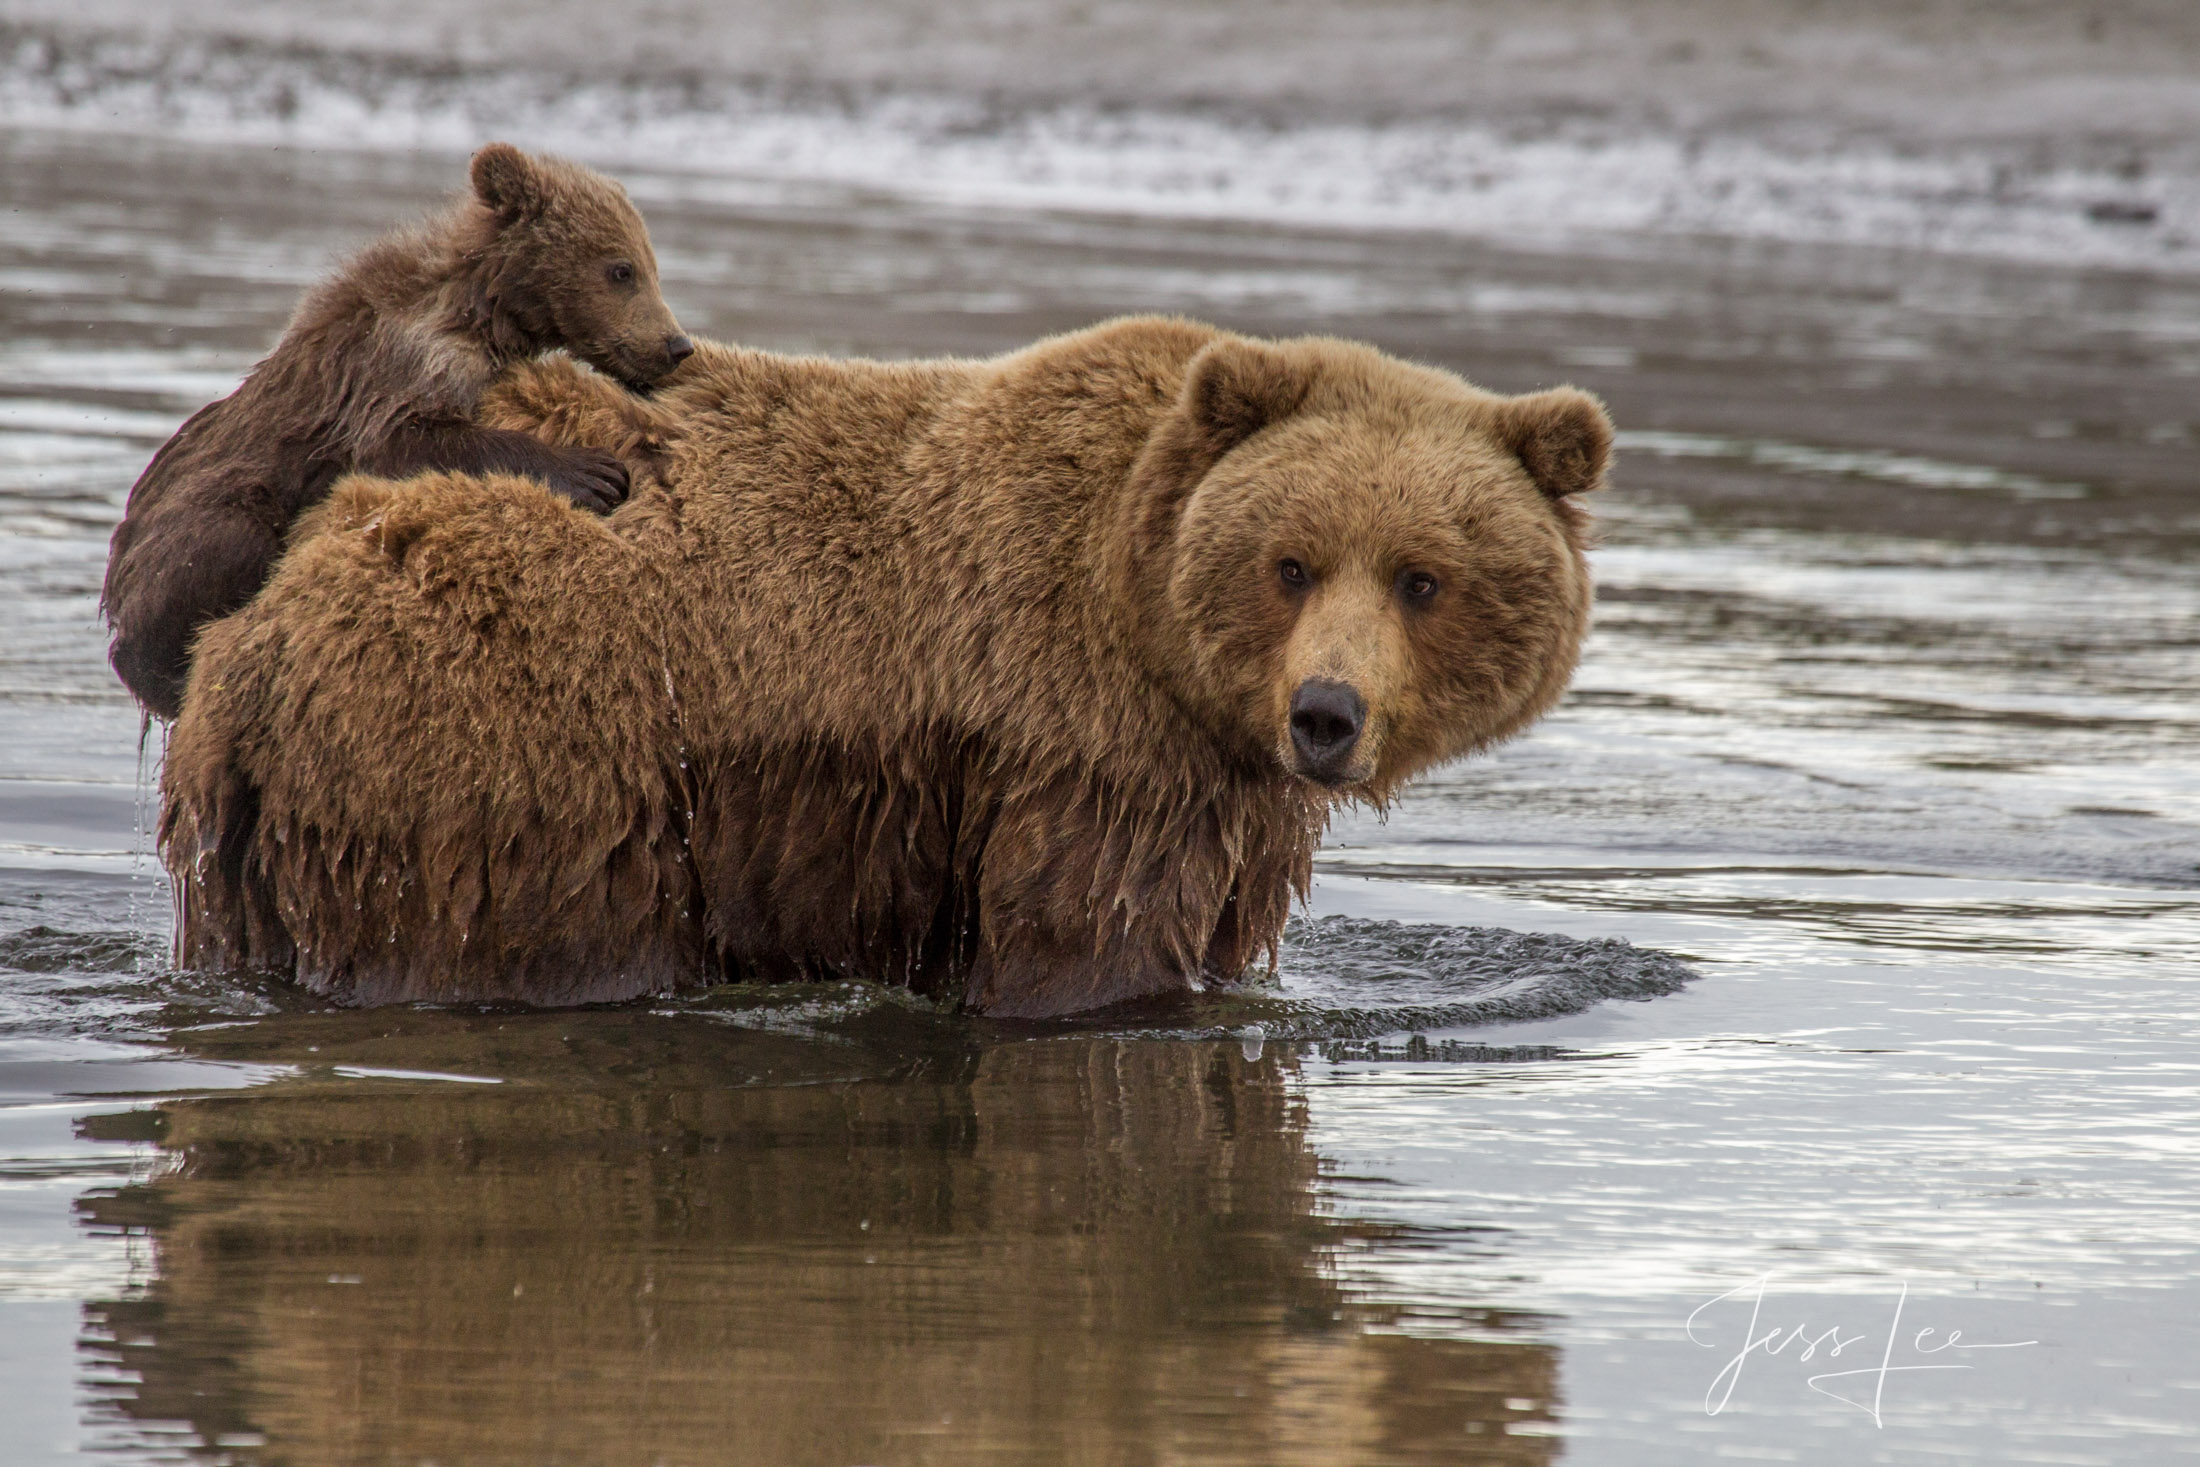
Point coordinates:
[(505, 179), (1562, 438), (1234, 388)]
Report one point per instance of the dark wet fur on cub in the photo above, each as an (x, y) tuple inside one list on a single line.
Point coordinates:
[(380, 371), (971, 676)]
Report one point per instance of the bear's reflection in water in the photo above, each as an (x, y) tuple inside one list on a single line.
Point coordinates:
[(672, 1241)]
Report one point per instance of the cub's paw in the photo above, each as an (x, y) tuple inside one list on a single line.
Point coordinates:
[(591, 479)]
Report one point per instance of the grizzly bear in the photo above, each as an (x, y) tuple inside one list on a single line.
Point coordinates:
[(380, 371), (1028, 683)]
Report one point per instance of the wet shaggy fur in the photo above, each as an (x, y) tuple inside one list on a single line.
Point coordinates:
[(975, 676), (380, 371)]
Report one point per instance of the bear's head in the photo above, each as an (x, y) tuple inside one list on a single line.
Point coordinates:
[(568, 264), (1360, 567)]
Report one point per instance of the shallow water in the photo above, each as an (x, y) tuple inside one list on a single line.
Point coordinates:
[(1884, 766)]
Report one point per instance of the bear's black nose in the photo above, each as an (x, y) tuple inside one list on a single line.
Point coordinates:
[(1326, 718), (679, 348)]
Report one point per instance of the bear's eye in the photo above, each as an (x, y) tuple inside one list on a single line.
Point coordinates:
[(1293, 574), (1416, 585), (619, 272)]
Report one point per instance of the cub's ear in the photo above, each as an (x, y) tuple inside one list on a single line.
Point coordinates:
[(1234, 388), (1562, 438), (505, 179)]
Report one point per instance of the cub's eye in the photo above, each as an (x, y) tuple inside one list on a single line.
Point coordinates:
[(1416, 585), (619, 272), (1293, 574)]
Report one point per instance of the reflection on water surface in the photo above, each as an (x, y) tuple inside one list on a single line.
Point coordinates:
[(713, 1244)]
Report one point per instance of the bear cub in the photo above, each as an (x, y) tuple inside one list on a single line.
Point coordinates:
[(379, 372)]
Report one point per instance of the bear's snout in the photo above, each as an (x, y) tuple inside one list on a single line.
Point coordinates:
[(678, 349), (1326, 719)]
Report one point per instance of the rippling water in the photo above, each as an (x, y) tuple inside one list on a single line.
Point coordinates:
[(1839, 932)]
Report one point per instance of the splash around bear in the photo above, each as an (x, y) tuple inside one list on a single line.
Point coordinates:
[(1029, 683)]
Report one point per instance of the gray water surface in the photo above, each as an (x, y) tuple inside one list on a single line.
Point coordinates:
[(1839, 933)]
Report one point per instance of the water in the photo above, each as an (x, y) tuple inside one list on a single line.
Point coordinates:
[(1867, 851)]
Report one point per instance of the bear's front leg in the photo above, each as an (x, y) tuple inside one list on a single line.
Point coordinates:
[(1056, 975), (591, 477), (1087, 899)]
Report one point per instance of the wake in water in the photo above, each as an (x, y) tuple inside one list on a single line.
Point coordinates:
[(1340, 979), (1357, 978)]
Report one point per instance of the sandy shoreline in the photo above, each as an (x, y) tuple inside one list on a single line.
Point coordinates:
[(1919, 70), (1957, 129)]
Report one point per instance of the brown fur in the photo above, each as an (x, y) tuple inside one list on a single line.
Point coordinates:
[(970, 675), (380, 371)]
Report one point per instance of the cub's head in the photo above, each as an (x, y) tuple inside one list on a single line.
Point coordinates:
[(1361, 567), (569, 265)]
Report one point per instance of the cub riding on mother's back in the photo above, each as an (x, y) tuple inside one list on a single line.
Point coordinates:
[(1026, 682), (380, 371)]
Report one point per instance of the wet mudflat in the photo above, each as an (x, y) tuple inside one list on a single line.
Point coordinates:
[(1888, 730)]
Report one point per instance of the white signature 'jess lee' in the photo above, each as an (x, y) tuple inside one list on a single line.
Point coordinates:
[(1776, 1340)]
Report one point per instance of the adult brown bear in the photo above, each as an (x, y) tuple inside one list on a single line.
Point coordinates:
[(1029, 681)]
